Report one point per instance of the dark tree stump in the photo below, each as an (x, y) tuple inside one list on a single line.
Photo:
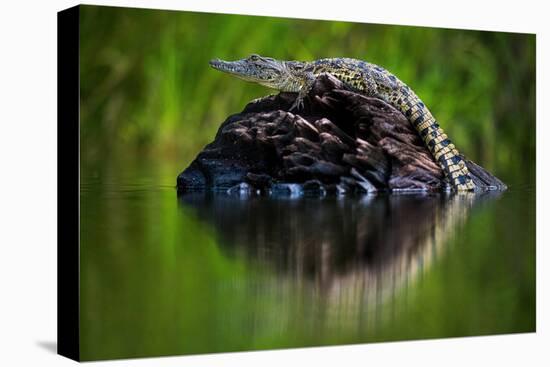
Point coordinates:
[(341, 142)]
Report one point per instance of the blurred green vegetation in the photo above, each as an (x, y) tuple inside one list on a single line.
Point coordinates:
[(147, 88)]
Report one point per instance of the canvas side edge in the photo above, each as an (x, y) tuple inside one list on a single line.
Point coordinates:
[(68, 185)]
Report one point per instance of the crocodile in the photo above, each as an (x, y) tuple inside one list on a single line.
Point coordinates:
[(365, 78)]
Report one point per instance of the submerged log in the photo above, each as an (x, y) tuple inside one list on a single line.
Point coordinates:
[(340, 142)]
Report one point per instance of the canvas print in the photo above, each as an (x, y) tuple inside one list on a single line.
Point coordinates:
[(250, 183)]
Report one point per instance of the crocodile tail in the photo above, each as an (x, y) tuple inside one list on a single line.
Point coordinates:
[(439, 144)]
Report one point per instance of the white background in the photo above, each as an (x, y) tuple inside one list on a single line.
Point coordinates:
[(28, 183)]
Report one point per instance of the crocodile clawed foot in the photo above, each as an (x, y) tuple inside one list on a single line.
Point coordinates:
[(297, 105)]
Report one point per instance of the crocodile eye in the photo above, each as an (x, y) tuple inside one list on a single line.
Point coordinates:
[(254, 57)]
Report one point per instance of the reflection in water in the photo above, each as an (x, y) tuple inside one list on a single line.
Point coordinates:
[(214, 273), (352, 253)]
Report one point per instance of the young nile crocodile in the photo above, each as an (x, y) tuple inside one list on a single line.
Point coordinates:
[(369, 79)]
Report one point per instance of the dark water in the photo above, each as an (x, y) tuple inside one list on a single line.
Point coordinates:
[(199, 273)]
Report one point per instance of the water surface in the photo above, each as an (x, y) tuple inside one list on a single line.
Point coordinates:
[(199, 273)]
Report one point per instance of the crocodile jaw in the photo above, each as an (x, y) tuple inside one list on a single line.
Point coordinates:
[(267, 72)]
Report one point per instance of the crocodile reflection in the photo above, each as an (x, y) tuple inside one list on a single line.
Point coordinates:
[(335, 242)]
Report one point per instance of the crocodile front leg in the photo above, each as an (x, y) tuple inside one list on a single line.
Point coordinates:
[(305, 88)]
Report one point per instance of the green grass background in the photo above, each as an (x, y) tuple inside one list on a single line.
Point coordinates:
[(147, 89)]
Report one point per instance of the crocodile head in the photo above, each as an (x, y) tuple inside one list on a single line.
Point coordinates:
[(262, 70)]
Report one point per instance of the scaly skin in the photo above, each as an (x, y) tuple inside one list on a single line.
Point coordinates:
[(366, 78)]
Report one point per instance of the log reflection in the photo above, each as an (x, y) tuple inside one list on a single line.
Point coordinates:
[(347, 249)]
